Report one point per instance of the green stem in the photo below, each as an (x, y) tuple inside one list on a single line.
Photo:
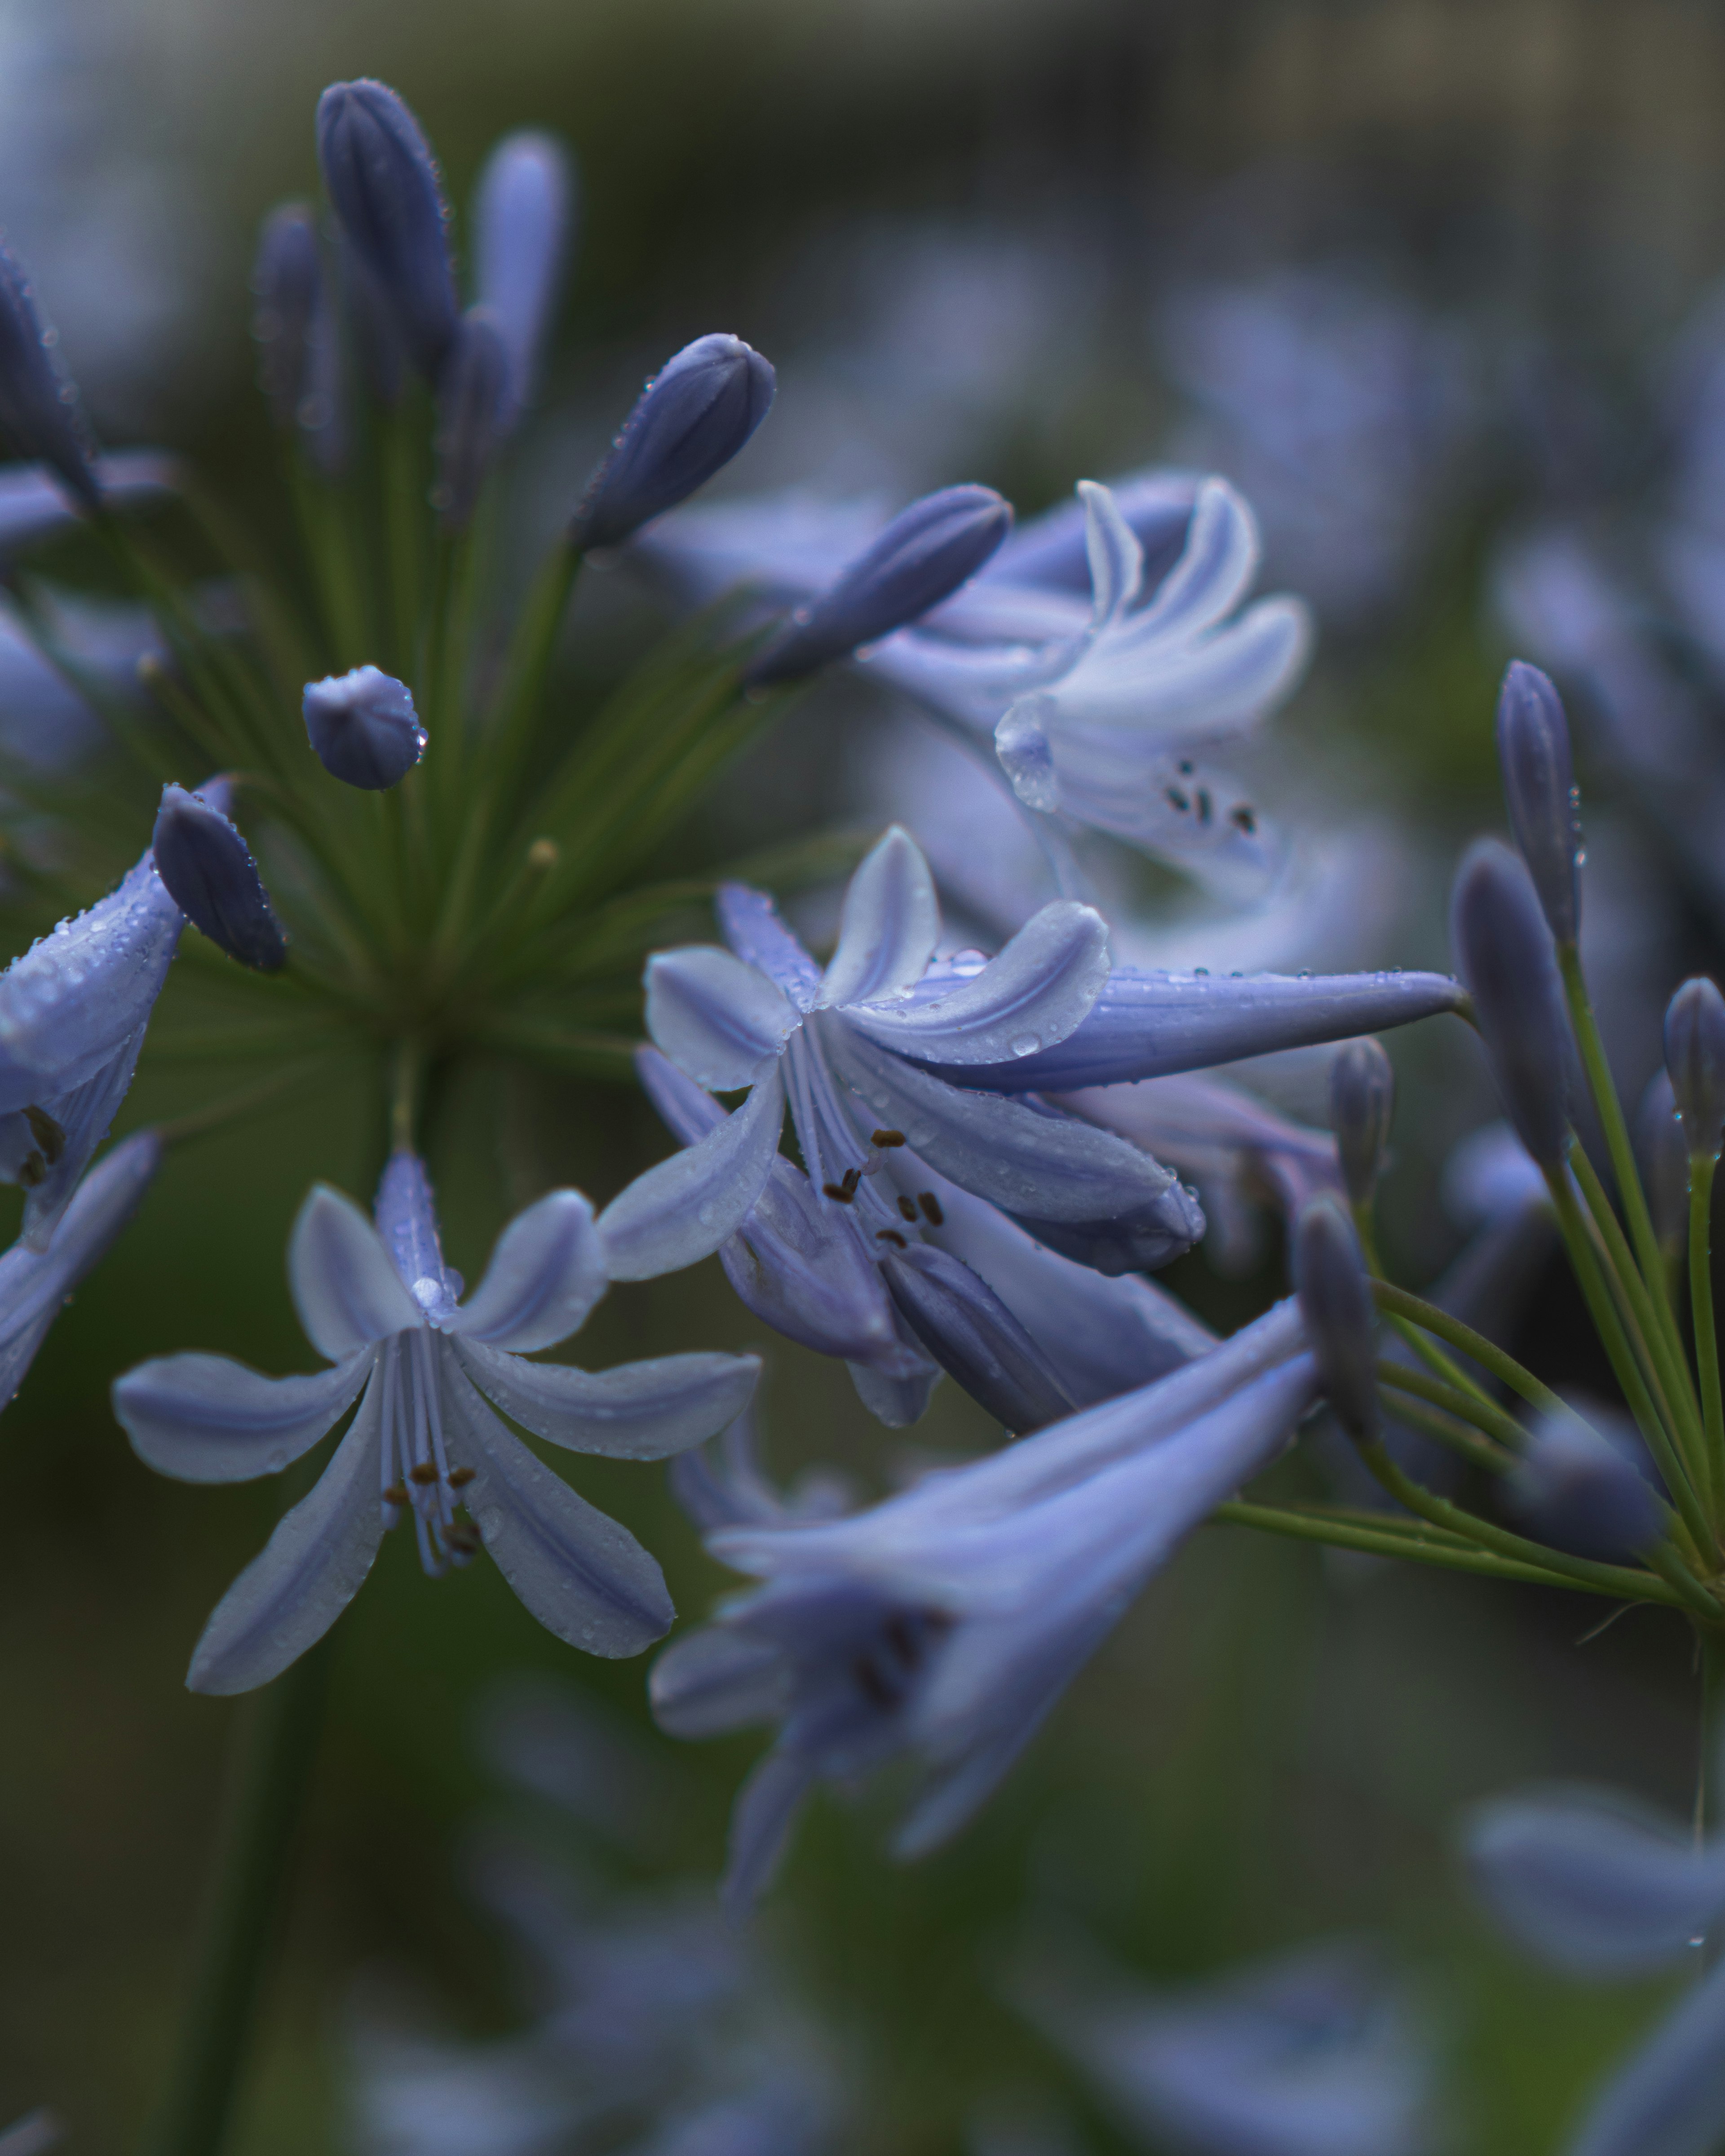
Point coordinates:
[(1398, 1302), (1702, 1166), (273, 1740), (1603, 1090), (1463, 1418)]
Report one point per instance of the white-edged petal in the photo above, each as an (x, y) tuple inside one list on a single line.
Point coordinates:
[(581, 1575), (716, 1018), (546, 1274), (686, 1206), (1031, 995), (1112, 548), (306, 1574), (347, 1293), (889, 927), (637, 1411), (205, 1419)]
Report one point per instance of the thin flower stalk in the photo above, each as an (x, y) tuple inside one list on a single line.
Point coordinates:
[(1398, 1302), (1702, 1166)]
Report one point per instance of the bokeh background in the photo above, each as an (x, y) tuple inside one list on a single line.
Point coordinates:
[(1426, 279)]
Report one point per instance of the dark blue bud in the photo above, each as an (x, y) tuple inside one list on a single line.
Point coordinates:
[(1587, 1490), (924, 555), (1503, 953), (1361, 1103), (377, 336), (688, 422), (209, 874), (1539, 786), (473, 406), (39, 413), (974, 1338), (288, 282), (523, 212), (384, 189), (1695, 1061), (1340, 1318), (363, 727), (1664, 1161)]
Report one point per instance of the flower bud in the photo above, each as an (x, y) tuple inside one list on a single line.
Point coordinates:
[(1583, 1489), (288, 282), (688, 422), (1340, 1317), (1664, 1161), (473, 402), (39, 413), (1539, 786), (383, 187), (922, 557), (974, 1338), (209, 874), (363, 727), (522, 214), (1503, 953), (1361, 1103), (1695, 1059)]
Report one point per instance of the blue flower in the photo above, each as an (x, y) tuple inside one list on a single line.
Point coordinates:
[(73, 1010), (945, 1622), (381, 1304)]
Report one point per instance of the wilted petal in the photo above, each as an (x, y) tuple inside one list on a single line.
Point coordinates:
[(714, 1681), (1031, 996), (204, 1418), (583, 1577), (637, 1411), (345, 1290), (306, 1574), (1593, 1885), (1669, 2099), (889, 925), (716, 1018), (546, 1274), (686, 1206), (749, 922)]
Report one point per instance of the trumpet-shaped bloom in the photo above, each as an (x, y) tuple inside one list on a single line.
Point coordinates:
[(73, 1010), (946, 1622), (382, 1305)]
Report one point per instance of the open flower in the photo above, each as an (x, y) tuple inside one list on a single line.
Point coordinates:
[(381, 1304), (946, 1622)]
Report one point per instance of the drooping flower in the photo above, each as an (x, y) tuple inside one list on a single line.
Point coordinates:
[(944, 1623), (381, 1304)]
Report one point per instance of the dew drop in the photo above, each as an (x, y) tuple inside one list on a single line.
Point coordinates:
[(1024, 1043)]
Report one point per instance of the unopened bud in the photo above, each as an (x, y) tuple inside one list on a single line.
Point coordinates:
[(974, 1338), (1664, 1161), (473, 401), (209, 874), (1340, 1318), (922, 557), (1539, 786), (40, 415), (383, 187), (688, 423), (1503, 953), (523, 213), (1695, 1059), (1584, 1489), (1361, 1103), (288, 282), (363, 727)]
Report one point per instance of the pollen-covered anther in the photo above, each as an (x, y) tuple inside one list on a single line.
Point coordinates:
[(459, 1477), (907, 1206), (931, 1208), (887, 1139), (839, 1195), (422, 1473), (891, 1235)]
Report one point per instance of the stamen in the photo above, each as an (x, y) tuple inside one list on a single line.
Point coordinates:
[(1205, 810), (422, 1473), (396, 1494), (459, 1477), (839, 1195), (1243, 819), (891, 1235), (888, 1138), (907, 1206), (1176, 799), (930, 1208)]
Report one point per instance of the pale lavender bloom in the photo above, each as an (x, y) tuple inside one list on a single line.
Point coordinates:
[(73, 1010), (1314, 2053), (382, 1305), (945, 1622)]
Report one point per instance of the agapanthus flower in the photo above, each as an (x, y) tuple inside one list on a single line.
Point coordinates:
[(945, 1622), (381, 1304)]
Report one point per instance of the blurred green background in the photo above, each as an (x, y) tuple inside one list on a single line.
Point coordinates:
[(1273, 1746)]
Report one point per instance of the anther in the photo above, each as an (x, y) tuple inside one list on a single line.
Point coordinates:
[(1176, 799), (907, 1206), (422, 1473), (931, 1208), (1205, 810), (1243, 819), (459, 1477), (888, 1138), (853, 1176), (396, 1494), (891, 1235), (837, 1192)]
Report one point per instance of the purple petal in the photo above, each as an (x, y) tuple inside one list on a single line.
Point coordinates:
[(717, 1020), (546, 1274), (686, 1206), (204, 1418), (637, 1411), (889, 927), (345, 1287)]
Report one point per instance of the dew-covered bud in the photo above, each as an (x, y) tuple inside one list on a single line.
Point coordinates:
[(523, 211), (1362, 1102), (922, 557), (473, 404), (1664, 1161), (1503, 953), (383, 187), (1584, 1489), (288, 282), (1695, 1059), (974, 1338), (1539, 787), (363, 728), (1340, 1318), (209, 872), (40, 416), (688, 423)]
